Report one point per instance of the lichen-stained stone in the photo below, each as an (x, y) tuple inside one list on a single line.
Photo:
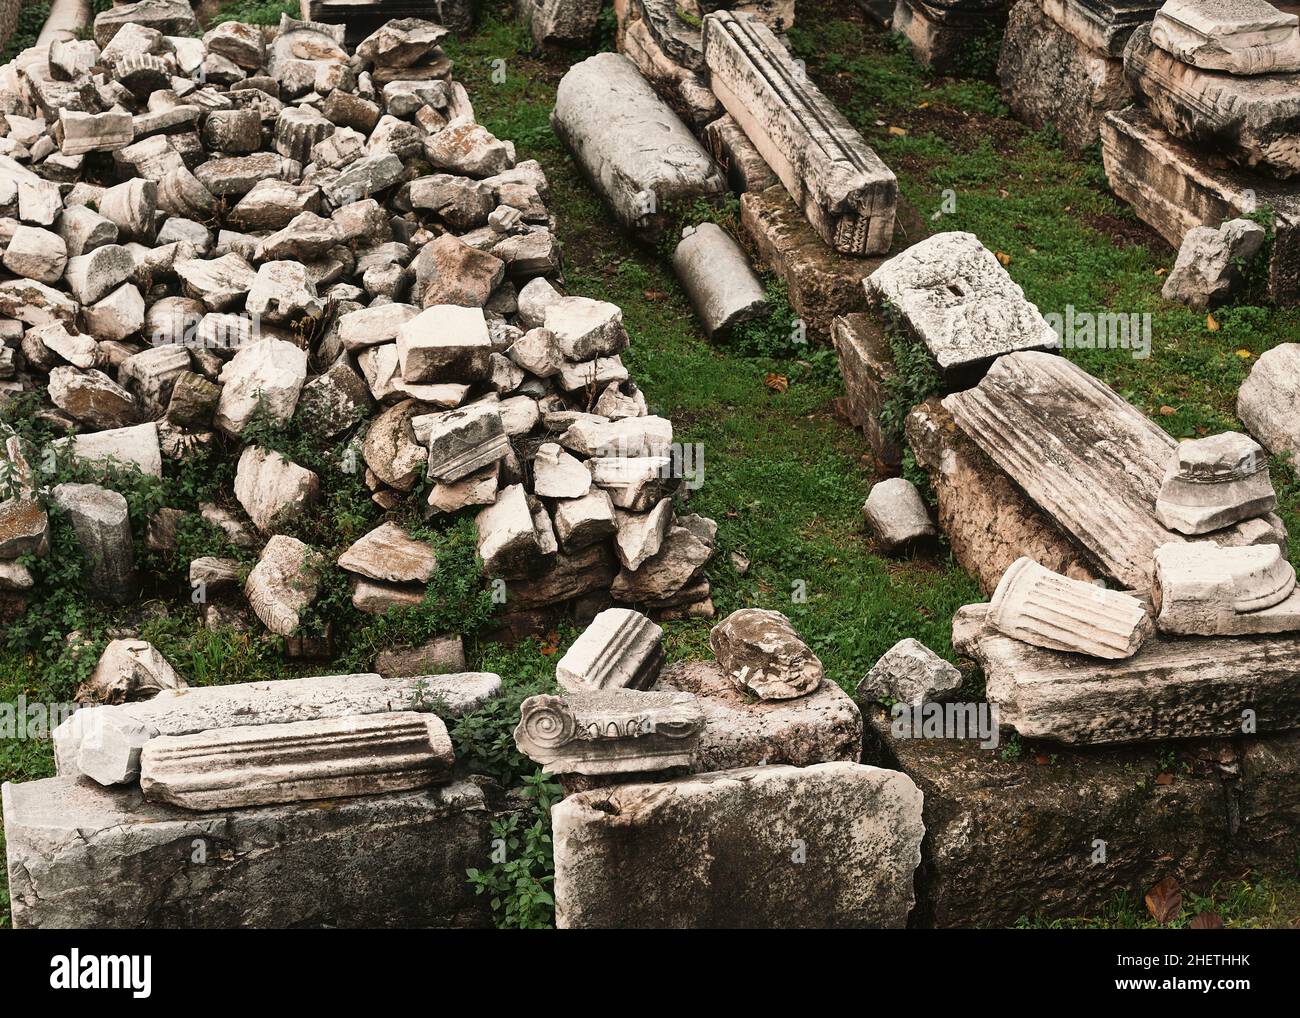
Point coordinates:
[(846, 191), (952, 296), (761, 652), (639, 156), (832, 845), (353, 862), (100, 519), (1269, 401), (910, 673)]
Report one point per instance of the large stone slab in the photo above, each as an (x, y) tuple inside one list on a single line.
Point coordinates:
[(739, 731), (1244, 37), (1086, 456), (1175, 186), (1051, 77), (393, 860), (1103, 25), (1010, 837), (1182, 687), (947, 35), (630, 145), (988, 521), (833, 845), (1252, 121), (867, 364), (1269, 401), (284, 701), (330, 758), (847, 192), (953, 296)]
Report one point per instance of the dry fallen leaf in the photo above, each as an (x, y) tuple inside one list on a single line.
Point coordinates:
[(1164, 778), (1245, 355), (1206, 921), (1211, 323), (924, 105), (898, 132), (1042, 759), (1003, 257), (1161, 271), (1165, 901), (775, 382), (1167, 411)]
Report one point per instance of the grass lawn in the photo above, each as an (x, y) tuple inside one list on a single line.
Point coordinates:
[(784, 478)]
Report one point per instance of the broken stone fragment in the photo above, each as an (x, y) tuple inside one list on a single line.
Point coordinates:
[(584, 329), (449, 271), (761, 652), (1244, 37), (897, 514), (193, 401), (24, 528), (282, 584), (366, 176), (634, 483), (91, 276), (609, 731), (1043, 608), (469, 149), (36, 254), (1205, 590), (627, 855), (374, 325), (536, 352), (466, 440), (268, 373), (556, 474), (329, 758), (1210, 262), (102, 523), (1269, 401), (129, 670), (401, 42), (641, 535), (135, 446), (580, 522), (117, 316), (389, 554), (283, 292), (479, 488), (620, 649), (241, 43), (508, 542), (220, 283), (593, 374), (672, 571), (954, 297), (92, 398), (434, 657), (273, 490), (110, 746), (444, 344), (717, 277), (1215, 482), (534, 298), (910, 673)]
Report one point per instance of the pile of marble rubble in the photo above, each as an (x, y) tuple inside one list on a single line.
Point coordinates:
[(657, 759), (205, 230)]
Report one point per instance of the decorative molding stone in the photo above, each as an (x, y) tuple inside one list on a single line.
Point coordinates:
[(256, 765), (620, 649), (1204, 590), (609, 731), (1215, 482)]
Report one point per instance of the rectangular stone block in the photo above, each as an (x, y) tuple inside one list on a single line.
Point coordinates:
[(866, 365), (85, 857), (834, 845), (847, 192)]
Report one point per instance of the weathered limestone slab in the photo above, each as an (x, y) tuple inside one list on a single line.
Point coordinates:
[(952, 295), (1103, 25), (717, 278), (559, 21), (282, 584), (609, 731), (1174, 688), (1175, 186), (284, 701), (1015, 838), (1212, 263), (1046, 609), (273, 490), (621, 649), (822, 283), (761, 652), (1252, 121), (629, 144), (1087, 457), (1051, 77), (1215, 482), (466, 440), (740, 160), (1205, 590), (256, 765), (741, 731), (1269, 401), (847, 192), (833, 845), (866, 364), (393, 860), (391, 555), (910, 673), (1239, 36), (129, 670)]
